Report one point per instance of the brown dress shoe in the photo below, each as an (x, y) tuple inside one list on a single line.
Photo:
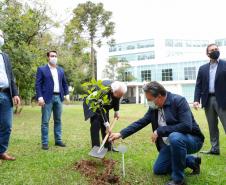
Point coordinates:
[(7, 157)]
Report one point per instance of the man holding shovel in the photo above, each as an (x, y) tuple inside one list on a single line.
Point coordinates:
[(100, 120), (175, 132)]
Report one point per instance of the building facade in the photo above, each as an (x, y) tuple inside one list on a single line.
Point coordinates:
[(172, 62)]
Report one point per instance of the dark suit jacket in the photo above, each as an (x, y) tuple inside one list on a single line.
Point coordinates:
[(202, 84), (45, 85), (178, 116), (88, 113), (9, 72)]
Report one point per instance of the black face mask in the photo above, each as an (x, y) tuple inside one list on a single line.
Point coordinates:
[(214, 55)]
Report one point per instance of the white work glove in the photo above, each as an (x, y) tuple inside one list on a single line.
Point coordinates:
[(107, 125)]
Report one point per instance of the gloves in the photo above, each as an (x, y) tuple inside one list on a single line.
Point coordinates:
[(107, 124)]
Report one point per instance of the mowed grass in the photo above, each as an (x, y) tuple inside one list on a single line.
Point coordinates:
[(56, 166)]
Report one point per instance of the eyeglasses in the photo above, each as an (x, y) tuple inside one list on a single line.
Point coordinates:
[(53, 56)]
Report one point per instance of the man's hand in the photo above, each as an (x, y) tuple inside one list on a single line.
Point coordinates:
[(196, 105), (116, 115), (154, 136), (114, 136), (67, 98), (16, 100), (41, 101)]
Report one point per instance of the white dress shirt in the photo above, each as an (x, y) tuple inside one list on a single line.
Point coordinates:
[(55, 79), (4, 82), (212, 73)]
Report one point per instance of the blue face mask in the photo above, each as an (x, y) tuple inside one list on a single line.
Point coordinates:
[(152, 104)]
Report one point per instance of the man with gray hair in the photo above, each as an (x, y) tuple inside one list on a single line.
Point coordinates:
[(8, 92), (175, 132), (117, 90)]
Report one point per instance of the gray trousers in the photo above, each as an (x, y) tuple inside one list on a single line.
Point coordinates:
[(213, 111)]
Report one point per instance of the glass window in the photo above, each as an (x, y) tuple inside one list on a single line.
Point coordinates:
[(189, 73), (127, 76), (169, 42), (167, 74), (146, 75), (129, 47)]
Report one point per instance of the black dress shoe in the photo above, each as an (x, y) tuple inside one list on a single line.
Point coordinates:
[(45, 147), (196, 169), (211, 152), (115, 149), (61, 144), (175, 183)]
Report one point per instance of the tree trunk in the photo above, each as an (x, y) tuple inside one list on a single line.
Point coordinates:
[(93, 61)]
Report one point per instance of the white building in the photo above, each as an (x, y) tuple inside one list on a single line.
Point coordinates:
[(172, 62)]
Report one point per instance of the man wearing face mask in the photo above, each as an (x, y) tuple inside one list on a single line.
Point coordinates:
[(8, 92), (175, 132), (51, 87), (211, 89)]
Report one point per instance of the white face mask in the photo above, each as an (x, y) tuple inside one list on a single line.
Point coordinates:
[(53, 60), (152, 104), (2, 41)]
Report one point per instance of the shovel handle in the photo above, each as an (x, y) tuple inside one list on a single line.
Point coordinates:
[(107, 135)]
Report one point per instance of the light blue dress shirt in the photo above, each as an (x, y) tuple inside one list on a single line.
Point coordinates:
[(4, 82), (212, 72)]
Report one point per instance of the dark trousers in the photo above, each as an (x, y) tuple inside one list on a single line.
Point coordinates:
[(174, 158), (213, 112), (97, 125)]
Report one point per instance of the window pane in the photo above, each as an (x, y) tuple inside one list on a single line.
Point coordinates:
[(146, 75), (189, 73), (167, 74)]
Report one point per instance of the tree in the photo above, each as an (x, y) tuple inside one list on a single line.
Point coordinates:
[(92, 23), (96, 96), (123, 72), (77, 68), (118, 70), (26, 39), (110, 70)]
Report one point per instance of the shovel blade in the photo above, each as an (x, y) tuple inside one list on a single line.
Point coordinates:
[(94, 152)]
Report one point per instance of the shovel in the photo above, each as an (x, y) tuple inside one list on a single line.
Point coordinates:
[(99, 152)]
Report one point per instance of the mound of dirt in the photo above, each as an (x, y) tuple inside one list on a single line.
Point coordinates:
[(98, 172)]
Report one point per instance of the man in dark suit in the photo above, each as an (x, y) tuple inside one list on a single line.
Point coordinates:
[(117, 90), (211, 89), (175, 132), (8, 95), (51, 87)]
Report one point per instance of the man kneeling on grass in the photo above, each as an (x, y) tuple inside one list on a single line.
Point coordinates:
[(175, 132)]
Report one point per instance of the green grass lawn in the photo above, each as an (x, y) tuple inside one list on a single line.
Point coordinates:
[(56, 166)]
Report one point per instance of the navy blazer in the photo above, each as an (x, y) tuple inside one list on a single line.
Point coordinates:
[(178, 116), (45, 85), (9, 73), (202, 84)]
